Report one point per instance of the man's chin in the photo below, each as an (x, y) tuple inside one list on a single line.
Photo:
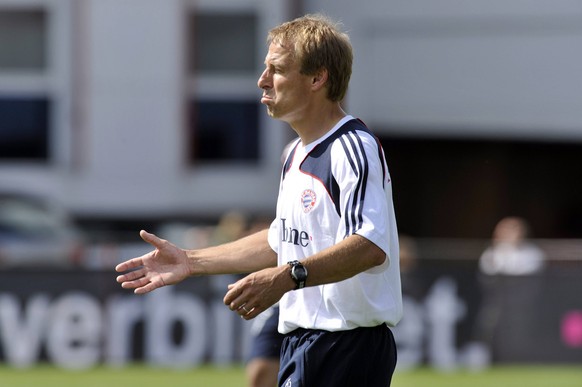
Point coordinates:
[(271, 112)]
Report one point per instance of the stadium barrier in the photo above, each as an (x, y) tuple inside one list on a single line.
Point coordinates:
[(454, 315)]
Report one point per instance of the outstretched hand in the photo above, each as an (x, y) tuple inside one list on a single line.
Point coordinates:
[(166, 265)]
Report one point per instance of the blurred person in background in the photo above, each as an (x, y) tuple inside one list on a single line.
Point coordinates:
[(330, 258), (511, 252), (508, 271), (262, 366)]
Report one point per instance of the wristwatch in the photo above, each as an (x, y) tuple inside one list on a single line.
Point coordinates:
[(298, 274)]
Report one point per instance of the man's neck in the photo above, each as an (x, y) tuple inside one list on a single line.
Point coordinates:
[(309, 130)]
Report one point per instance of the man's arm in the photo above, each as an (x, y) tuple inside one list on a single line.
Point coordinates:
[(245, 255), (169, 264), (257, 291), (352, 256)]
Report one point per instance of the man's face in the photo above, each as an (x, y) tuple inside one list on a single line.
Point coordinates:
[(286, 91)]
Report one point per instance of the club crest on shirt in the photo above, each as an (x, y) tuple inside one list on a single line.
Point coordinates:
[(308, 200)]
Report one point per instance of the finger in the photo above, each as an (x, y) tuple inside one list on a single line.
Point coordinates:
[(130, 276), (139, 282), (254, 312), (231, 296), (245, 309), (150, 286), (130, 264), (237, 304), (143, 285), (151, 239)]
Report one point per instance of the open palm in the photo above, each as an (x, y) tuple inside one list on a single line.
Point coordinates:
[(166, 265)]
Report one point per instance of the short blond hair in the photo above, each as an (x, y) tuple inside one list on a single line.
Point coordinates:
[(318, 43)]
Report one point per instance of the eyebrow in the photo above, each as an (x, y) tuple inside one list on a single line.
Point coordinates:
[(273, 60), (279, 60)]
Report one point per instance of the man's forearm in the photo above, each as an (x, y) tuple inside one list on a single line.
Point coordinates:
[(244, 255), (351, 256)]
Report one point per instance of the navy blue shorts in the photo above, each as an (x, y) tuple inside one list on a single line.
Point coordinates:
[(358, 357), (266, 340)]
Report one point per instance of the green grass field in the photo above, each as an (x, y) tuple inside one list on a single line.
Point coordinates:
[(140, 376)]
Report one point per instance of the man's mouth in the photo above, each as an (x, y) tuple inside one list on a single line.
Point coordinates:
[(265, 99)]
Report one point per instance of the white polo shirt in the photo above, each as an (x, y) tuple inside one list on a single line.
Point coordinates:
[(330, 189)]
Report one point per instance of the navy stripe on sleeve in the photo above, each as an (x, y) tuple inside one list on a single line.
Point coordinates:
[(356, 156)]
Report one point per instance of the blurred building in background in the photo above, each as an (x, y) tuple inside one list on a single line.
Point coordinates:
[(139, 111)]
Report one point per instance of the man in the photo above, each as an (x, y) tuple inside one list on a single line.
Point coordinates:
[(331, 255), (511, 251)]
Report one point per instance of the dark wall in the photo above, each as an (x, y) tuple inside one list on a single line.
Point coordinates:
[(461, 188)]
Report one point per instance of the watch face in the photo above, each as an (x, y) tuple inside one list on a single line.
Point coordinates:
[(299, 272)]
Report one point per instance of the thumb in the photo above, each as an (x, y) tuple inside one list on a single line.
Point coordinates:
[(151, 239)]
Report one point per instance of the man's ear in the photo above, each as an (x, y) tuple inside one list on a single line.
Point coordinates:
[(319, 79)]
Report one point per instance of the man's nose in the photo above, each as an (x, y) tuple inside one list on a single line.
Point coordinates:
[(263, 81)]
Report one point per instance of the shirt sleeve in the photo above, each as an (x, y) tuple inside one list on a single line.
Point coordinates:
[(273, 236), (365, 202)]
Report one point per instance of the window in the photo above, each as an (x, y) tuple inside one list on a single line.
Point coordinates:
[(24, 110), (223, 42), (22, 40), (225, 130), (24, 128), (223, 105)]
